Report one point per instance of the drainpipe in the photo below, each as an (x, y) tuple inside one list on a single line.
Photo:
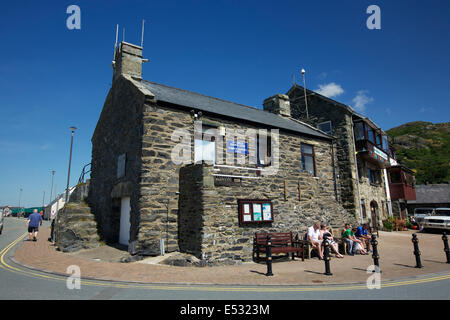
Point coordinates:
[(334, 170), (356, 163)]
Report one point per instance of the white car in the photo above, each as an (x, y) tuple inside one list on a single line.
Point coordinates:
[(439, 220), (421, 213)]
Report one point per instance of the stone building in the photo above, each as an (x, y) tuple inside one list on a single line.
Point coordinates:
[(362, 150), (186, 172)]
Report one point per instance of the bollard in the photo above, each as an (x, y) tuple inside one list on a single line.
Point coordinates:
[(416, 251), (446, 249), (326, 256), (269, 256), (375, 254)]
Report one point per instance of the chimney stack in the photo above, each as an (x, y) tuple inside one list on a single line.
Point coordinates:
[(128, 61), (278, 104)]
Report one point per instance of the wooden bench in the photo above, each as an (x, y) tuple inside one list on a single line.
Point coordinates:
[(282, 242)]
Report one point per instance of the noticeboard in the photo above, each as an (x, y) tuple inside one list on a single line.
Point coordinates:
[(255, 211)]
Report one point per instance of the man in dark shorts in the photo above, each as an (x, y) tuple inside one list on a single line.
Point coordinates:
[(33, 222)]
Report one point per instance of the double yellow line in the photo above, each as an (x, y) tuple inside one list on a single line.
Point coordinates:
[(169, 287)]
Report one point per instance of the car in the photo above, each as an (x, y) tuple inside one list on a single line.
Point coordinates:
[(439, 220), (421, 213)]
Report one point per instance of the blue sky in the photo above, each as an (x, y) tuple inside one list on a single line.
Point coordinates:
[(52, 78)]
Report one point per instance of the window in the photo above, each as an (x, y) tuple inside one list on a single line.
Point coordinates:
[(385, 144), (395, 177), (264, 149), (205, 149), (360, 131), (374, 176), (379, 140), (325, 127), (363, 209), (255, 211), (308, 159), (371, 135)]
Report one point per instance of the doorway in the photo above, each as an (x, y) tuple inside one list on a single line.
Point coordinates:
[(125, 208)]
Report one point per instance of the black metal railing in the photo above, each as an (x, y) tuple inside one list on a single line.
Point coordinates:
[(84, 172)]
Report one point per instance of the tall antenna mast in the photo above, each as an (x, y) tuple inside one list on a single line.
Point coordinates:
[(142, 35), (123, 35), (115, 44), (304, 91)]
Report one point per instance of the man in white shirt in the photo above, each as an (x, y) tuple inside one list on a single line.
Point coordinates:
[(313, 238)]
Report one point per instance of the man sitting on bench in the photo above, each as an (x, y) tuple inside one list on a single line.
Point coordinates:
[(362, 234), (313, 238)]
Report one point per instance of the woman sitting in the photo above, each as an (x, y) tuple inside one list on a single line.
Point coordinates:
[(334, 246)]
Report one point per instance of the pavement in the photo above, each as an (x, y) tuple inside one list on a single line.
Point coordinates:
[(395, 248)]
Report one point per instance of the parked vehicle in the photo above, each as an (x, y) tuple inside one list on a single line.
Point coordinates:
[(439, 220), (421, 213)]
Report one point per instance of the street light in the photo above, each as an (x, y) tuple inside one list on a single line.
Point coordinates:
[(20, 196), (72, 129), (51, 189)]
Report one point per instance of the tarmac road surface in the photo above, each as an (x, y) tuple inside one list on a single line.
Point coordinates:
[(19, 282)]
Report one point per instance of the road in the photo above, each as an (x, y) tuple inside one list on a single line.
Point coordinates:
[(18, 282)]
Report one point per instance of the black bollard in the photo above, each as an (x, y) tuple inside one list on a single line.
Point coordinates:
[(375, 255), (446, 249), (416, 251), (269, 256), (326, 256)]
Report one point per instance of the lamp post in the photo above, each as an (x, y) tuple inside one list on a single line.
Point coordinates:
[(20, 196), (51, 189), (72, 129)]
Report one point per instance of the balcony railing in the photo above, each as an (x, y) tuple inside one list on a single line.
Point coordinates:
[(368, 151)]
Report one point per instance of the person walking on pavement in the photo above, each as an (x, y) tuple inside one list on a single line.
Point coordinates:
[(33, 223)]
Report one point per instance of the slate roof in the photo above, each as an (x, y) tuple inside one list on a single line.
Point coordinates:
[(432, 193), (229, 109)]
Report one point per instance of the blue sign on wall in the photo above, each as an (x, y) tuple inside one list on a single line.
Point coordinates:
[(237, 147)]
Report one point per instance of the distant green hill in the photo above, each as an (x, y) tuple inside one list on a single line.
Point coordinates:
[(425, 148)]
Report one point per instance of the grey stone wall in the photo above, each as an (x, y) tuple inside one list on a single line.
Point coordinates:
[(321, 111), (118, 131)]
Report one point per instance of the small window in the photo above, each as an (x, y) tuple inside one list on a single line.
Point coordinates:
[(374, 176), (255, 211), (325, 127), (385, 145), (308, 159), (363, 209), (264, 149), (395, 177)]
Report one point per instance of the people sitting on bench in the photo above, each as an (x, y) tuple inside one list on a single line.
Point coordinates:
[(354, 245), (313, 238), (363, 235), (333, 245)]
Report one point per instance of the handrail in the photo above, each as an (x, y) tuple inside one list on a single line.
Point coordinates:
[(84, 172)]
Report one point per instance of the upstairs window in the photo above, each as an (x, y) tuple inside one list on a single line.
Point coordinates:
[(385, 144), (205, 148), (308, 163), (325, 127), (360, 131), (374, 176), (264, 149)]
